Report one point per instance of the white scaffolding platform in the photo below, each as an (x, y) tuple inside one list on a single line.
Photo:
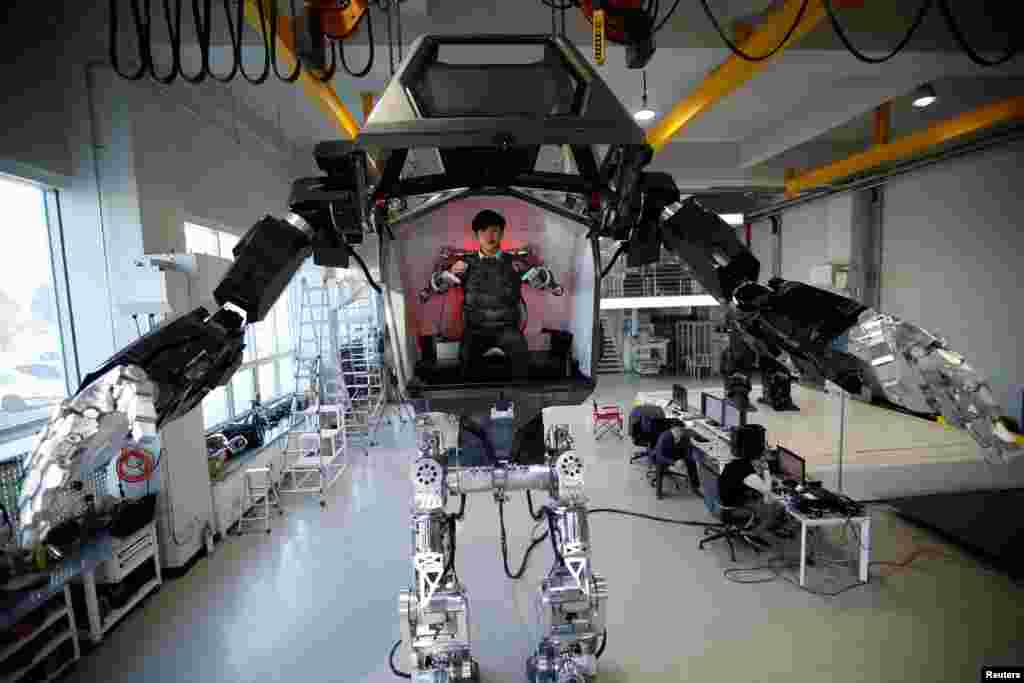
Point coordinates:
[(316, 459)]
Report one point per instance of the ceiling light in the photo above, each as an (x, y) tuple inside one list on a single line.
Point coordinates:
[(732, 218), (645, 112), (924, 96)]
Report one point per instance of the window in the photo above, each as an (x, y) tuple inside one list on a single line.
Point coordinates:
[(243, 390), (265, 374), (203, 240), (215, 407), (32, 369)]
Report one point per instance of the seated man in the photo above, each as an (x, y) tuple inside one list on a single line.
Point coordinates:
[(674, 445), (492, 281), (740, 486)]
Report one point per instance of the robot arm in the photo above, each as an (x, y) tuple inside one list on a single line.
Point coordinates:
[(795, 325), (166, 373)]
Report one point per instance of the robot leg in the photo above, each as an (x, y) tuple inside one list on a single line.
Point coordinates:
[(434, 614), (572, 597)]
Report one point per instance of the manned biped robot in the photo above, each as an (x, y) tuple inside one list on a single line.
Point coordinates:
[(487, 137)]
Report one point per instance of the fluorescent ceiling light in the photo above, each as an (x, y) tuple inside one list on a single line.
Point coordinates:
[(620, 302), (882, 360), (732, 218), (644, 114), (924, 96)]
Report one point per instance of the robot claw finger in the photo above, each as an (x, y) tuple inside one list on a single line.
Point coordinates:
[(434, 613)]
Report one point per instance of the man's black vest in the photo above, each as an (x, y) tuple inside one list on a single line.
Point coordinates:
[(492, 290)]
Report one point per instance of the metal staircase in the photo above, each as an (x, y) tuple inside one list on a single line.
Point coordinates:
[(611, 358)]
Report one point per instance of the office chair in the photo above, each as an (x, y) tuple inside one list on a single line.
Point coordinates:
[(646, 423), (734, 521)]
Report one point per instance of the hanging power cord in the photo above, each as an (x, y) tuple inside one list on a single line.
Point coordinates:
[(961, 39), (844, 38), (735, 48), (611, 264), (202, 20), (352, 252)]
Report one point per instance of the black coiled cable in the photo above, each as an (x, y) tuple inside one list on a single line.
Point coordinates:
[(202, 16)]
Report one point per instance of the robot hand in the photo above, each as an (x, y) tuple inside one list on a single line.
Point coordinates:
[(158, 378), (541, 277)]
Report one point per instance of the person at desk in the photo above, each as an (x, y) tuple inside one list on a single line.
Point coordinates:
[(741, 486), (672, 446)]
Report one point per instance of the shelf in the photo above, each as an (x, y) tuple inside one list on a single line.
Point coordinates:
[(12, 649), (115, 615), (40, 656)]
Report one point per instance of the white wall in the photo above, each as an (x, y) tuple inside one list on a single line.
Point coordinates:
[(762, 244), (192, 167), (953, 240), (816, 233)]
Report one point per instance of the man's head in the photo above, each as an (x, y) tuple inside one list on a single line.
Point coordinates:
[(489, 227)]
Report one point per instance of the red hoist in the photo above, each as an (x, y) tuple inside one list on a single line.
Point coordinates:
[(623, 22)]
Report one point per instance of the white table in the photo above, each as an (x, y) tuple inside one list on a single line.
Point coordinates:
[(864, 523)]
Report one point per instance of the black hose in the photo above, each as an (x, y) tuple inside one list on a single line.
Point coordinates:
[(391, 661), (462, 508), (113, 35), (529, 504), (604, 641), (237, 45), (735, 48), (203, 26), (504, 546), (841, 32), (352, 252), (618, 252), (667, 520), (666, 17), (552, 532), (297, 71), (961, 39)]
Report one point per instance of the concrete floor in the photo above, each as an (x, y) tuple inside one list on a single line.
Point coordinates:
[(317, 599)]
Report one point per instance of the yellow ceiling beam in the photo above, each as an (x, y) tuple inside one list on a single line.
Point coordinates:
[(734, 72), (321, 93), (965, 124)]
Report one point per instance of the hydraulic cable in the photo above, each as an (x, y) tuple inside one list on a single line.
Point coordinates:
[(736, 49), (504, 546), (391, 661), (844, 38), (537, 516), (369, 61), (961, 39)]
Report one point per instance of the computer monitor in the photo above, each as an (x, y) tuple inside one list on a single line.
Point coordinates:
[(679, 396), (732, 416), (792, 466), (711, 407)]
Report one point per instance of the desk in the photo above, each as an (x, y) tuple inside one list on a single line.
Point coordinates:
[(864, 522)]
